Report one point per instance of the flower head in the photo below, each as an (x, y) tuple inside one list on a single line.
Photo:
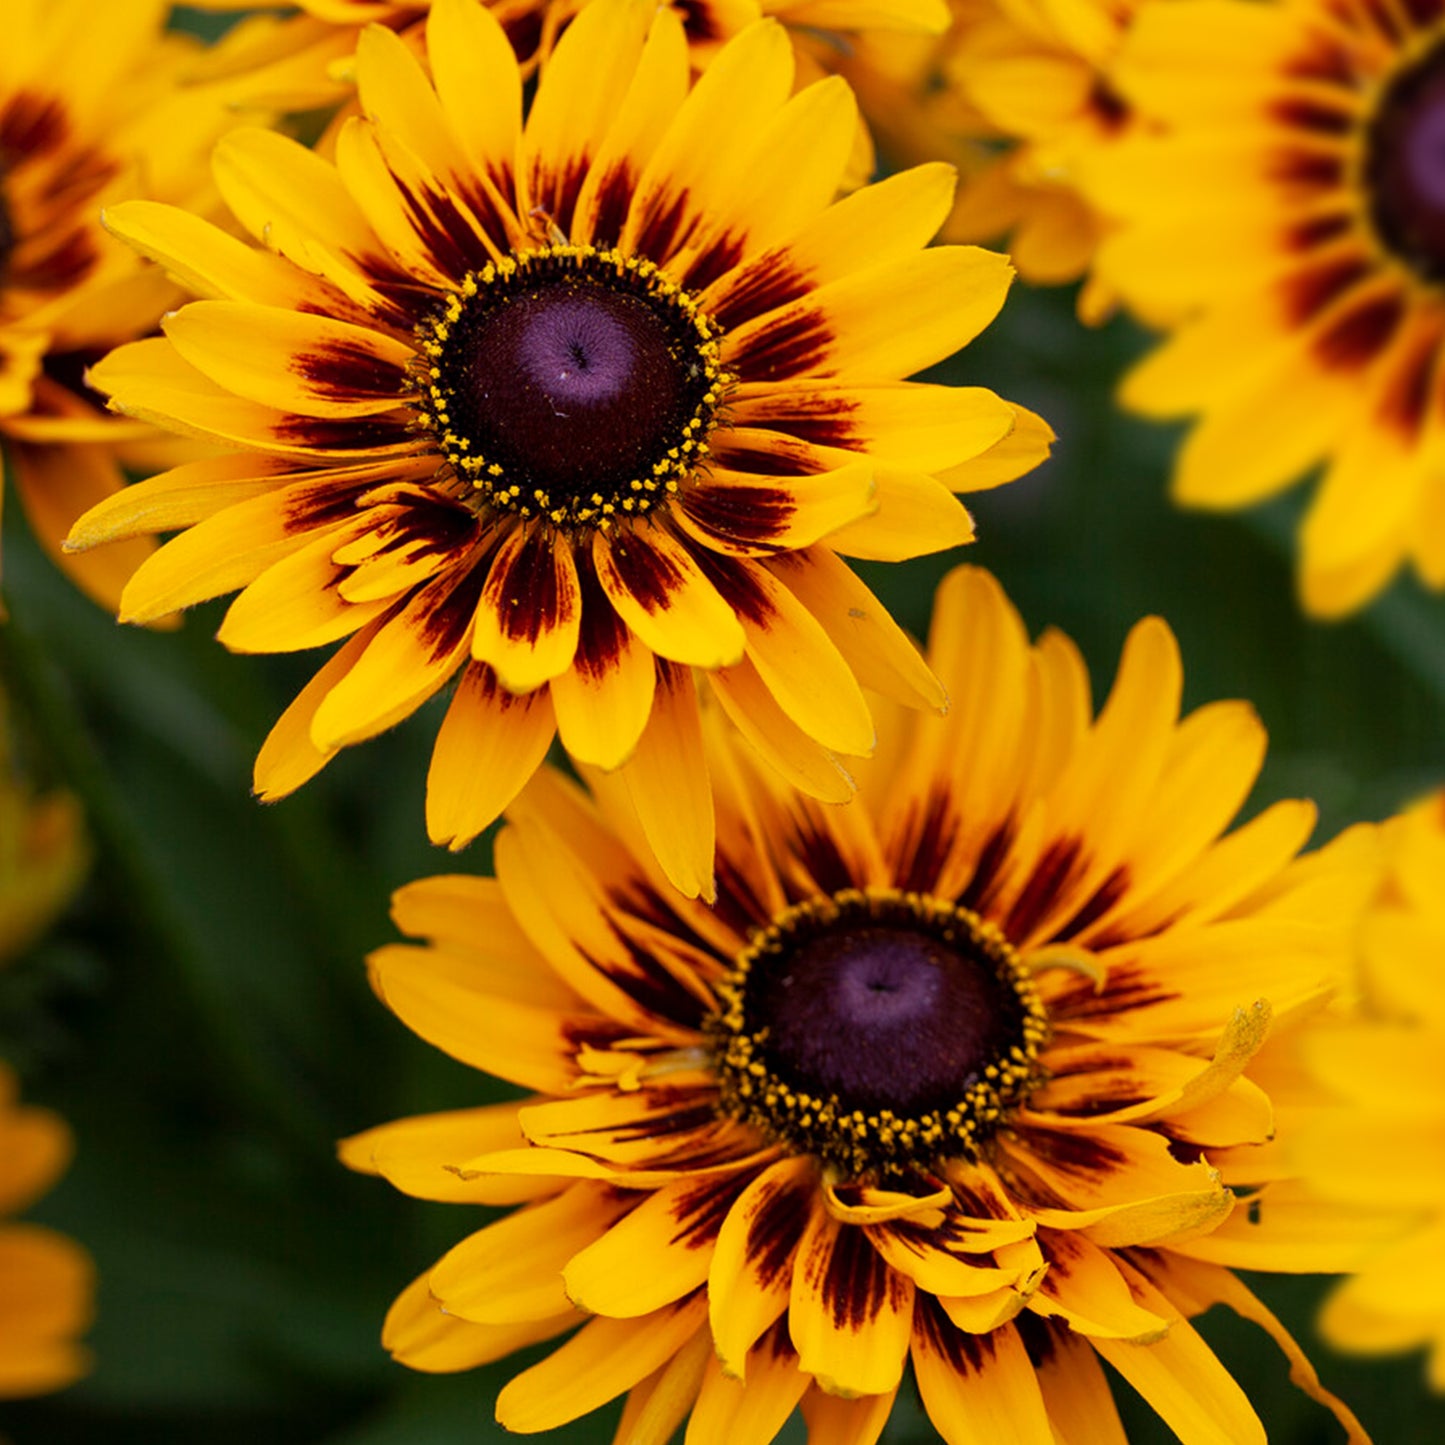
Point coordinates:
[(46, 1280), (90, 114), (564, 411), (972, 1072), (1288, 221), (1380, 1157)]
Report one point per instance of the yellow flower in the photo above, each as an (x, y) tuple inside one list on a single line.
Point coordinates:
[(972, 1071), (565, 411), (302, 61), (46, 1280), (1018, 94), (1289, 223), (92, 110), (1382, 1156)]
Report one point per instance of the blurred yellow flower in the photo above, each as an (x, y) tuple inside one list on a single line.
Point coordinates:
[(1017, 94), (46, 1280), (94, 108), (1281, 207), (1383, 1153)]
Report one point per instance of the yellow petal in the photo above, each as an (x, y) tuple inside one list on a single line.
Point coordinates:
[(849, 1314), (660, 592), (977, 1391), (601, 1361), (667, 780)]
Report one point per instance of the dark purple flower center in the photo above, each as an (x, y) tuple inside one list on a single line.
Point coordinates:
[(575, 385), (882, 1018), (1404, 166), (877, 1028)]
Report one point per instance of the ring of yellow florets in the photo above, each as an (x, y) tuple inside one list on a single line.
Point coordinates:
[(876, 1142), (495, 485)]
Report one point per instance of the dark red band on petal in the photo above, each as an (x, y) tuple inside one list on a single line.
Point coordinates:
[(963, 1353), (699, 1213), (1128, 986), (1356, 339), (351, 372), (1060, 863), (796, 344), (766, 284), (526, 587), (602, 637), (858, 1284), (777, 1225)]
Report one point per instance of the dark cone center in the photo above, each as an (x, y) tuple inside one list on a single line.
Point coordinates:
[(1404, 167), (7, 230), (882, 1017), (571, 386)]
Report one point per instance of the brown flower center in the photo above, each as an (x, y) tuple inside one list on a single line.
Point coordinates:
[(570, 383), (1404, 165), (877, 1030), (7, 230)]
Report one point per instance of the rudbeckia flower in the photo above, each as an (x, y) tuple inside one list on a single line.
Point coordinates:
[(1018, 93), (1381, 1154), (46, 1280), (93, 109), (301, 60), (971, 1073), (1289, 224), (565, 411)]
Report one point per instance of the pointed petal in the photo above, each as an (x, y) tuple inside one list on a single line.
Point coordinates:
[(488, 746), (977, 1389), (667, 780), (601, 1361)]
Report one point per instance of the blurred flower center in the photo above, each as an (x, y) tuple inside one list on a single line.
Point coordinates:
[(1404, 165), (574, 384), (7, 229), (878, 1030)]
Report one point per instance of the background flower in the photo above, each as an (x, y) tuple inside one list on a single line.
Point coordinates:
[(1381, 1155), (46, 1282), (89, 114), (1019, 95), (1286, 224)]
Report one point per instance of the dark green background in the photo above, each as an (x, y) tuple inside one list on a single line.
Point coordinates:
[(202, 1019)]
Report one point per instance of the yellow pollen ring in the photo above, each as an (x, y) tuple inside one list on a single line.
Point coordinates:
[(485, 478), (875, 1143)]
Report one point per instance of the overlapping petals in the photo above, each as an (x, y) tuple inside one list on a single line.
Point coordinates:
[(1176, 963), (343, 507)]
